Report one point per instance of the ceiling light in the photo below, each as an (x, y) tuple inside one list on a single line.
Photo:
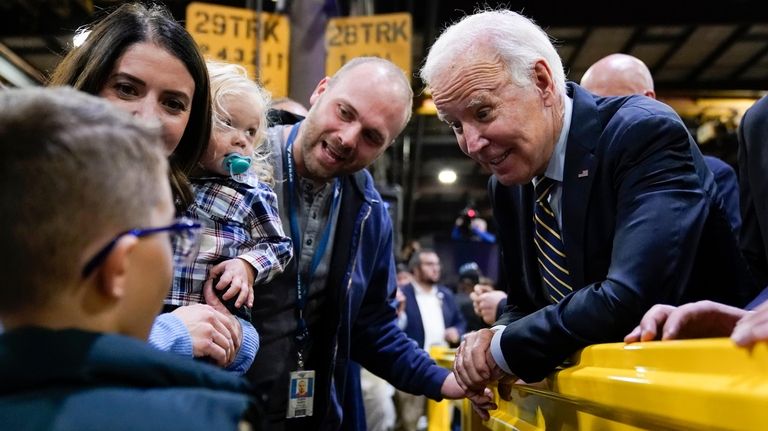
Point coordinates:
[(447, 176)]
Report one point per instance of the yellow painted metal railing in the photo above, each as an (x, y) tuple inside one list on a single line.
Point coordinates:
[(672, 385), (439, 414)]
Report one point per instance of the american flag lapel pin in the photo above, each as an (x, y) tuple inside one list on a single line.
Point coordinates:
[(583, 173)]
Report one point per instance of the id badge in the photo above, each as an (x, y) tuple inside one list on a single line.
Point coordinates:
[(301, 394)]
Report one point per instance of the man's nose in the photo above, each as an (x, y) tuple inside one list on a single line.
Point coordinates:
[(474, 139), (350, 135)]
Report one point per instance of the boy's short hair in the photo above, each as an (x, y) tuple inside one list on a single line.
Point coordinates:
[(74, 170)]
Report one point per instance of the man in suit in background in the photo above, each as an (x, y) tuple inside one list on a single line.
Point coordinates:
[(624, 75), (624, 213), (433, 318), (711, 319), (753, 182)]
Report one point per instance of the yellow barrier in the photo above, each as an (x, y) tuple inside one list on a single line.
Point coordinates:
[(672, 385), (439, 414)]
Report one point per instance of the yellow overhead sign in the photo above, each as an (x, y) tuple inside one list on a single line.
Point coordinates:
[(236, 35), (386, 36)]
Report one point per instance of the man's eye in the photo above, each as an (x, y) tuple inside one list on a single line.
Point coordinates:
[(455, 126), (374, 138), (344, 113)]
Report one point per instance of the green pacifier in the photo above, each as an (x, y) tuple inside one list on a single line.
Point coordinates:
[(236, 164)]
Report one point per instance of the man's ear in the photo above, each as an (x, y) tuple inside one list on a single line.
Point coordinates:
[(113, 273), (545, 84), (319, 89)]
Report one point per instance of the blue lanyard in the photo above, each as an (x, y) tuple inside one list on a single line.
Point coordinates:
[(303, 280)]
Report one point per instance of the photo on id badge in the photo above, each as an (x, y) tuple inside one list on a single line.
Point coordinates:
[(301, 394)]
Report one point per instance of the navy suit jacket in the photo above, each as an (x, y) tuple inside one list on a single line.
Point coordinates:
[(728, 189), (753, 182), (642, 224), (451, 313)]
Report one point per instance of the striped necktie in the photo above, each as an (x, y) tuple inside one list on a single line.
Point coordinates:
[(550, 250)]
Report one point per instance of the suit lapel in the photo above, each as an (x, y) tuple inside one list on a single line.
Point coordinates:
[(413, 313), (578, 176)]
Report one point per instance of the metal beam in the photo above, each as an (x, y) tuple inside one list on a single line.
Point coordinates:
[(672, 50), (16, 71), (735, 35)]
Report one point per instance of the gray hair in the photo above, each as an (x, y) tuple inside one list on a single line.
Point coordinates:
[(519, 42)]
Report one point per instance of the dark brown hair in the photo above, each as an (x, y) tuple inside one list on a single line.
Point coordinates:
[(87, 68)]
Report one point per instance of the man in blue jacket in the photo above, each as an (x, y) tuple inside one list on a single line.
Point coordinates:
[(333, 304), (433, 318), (87, 220), (605, 206)]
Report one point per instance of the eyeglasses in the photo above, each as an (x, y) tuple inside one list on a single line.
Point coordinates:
[(183, 233)]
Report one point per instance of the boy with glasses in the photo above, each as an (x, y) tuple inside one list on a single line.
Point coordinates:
[(86, 276)]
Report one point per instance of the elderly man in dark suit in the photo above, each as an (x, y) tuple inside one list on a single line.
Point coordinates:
[(605, 206)]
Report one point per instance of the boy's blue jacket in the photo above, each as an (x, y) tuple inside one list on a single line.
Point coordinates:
[(77, 380)]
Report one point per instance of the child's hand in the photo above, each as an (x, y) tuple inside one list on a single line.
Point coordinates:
[(238, 275)]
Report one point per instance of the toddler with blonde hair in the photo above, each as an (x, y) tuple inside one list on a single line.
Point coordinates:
[(243, 242)]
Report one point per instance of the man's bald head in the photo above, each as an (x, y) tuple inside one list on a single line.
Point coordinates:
[(619, 75), (394, 76)]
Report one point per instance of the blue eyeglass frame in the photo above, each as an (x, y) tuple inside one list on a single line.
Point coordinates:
[(179, 225)]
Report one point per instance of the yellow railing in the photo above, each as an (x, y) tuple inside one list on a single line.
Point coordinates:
[(439, 414), (672, 385)]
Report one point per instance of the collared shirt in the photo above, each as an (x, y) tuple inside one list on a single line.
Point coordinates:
[(314, 215), (554, 170), (556, 165), (274, 311), (240, 220), (430, 304)]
